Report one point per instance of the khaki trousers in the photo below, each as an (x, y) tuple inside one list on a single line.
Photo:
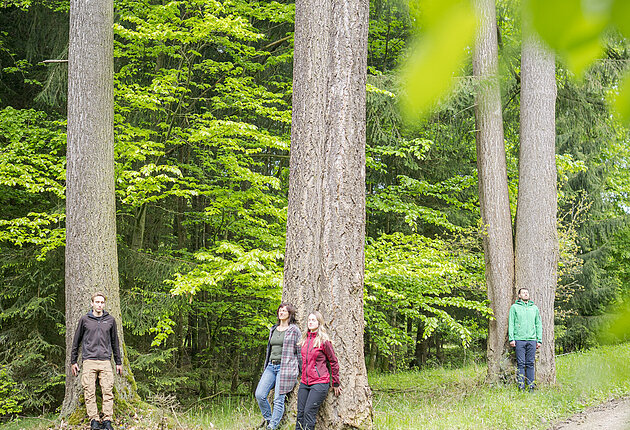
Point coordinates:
[(101, 369)]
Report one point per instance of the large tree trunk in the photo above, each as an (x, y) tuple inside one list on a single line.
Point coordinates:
[(91, 258), (536, 225), (493, 189), (324, 261)]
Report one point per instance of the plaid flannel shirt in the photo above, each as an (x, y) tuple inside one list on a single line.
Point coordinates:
[(290, 366)]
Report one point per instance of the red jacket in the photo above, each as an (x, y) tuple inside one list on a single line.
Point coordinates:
[(314, 368)]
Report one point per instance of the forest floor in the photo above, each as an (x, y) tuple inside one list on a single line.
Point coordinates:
[(592, 392), (611, 415)]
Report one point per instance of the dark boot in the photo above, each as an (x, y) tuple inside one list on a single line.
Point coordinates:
[(107, 425), (95, 425)]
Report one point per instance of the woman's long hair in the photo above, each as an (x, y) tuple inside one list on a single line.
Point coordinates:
[(290, 309), (322, 334)]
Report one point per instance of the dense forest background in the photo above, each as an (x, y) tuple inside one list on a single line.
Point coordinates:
[(202, 122)]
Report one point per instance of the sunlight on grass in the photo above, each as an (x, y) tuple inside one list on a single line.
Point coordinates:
[(31, 423), (230, 413), (457, 399)]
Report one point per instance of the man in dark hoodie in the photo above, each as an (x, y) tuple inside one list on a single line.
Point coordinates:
[(525, 334), (97, 332)]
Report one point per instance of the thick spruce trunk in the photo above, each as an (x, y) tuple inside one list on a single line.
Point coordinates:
[(91, 257), (536, 227), (324, 261), (493, 189)]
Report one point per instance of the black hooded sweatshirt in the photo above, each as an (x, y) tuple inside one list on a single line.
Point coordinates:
[(99, 338)]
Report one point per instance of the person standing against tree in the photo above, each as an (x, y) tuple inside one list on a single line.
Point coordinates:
[(318, 357), (282, 366), (525, 334), (97, 334)]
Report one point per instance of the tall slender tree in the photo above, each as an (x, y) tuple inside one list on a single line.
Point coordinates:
[(494, 197), (91, 257), (536, 246), (324, 261)]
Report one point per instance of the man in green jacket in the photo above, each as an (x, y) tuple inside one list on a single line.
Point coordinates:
[(525, 334)]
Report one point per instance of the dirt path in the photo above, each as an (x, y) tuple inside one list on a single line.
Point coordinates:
[(612, 415)]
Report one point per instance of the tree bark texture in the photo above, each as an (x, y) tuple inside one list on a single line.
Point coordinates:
[(493, 189), (324, 260), (536, 252), (91, 256)]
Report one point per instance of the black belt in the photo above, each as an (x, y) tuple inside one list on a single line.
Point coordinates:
[(275, 362)]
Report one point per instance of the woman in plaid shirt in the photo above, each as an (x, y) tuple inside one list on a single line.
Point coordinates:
[(282, 365)]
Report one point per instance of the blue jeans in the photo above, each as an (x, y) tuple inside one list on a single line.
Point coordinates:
[(525, 360), (268, 381)]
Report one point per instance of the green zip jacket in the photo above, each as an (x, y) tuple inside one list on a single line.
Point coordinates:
[(524, 323)]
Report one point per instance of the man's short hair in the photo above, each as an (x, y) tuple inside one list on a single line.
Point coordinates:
[(521, 289), (95, 295)]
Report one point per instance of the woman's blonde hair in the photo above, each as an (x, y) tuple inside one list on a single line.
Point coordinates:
[(322, 334)]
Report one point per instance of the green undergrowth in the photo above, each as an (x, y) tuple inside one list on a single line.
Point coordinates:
[(459, 399), (429, 399)]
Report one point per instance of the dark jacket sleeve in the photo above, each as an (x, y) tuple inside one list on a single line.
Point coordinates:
[(115, 344), (334, 364), (76, 342)]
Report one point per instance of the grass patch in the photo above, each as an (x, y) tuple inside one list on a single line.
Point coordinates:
[(31, 423), (459, 399), (434, 398), (227, 413)]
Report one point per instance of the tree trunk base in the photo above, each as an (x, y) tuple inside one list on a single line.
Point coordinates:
[(125, 404), (504, 372)]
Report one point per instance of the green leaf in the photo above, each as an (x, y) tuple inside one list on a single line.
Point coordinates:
[(439, 53), (620, 14), (621, 101), (572, 31)]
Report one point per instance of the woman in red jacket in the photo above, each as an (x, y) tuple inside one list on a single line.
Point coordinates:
[(319, 369)]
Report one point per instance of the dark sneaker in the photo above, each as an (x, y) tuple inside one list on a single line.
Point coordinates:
[(107, 425), (95, 425)]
